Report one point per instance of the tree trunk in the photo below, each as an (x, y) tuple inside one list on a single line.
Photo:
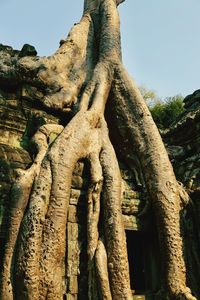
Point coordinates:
[(76, 82)]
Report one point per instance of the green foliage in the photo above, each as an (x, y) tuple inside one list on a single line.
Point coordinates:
[(150, 96), (165, 113)]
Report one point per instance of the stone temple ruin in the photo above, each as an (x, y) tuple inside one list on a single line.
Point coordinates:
[(19, 120)]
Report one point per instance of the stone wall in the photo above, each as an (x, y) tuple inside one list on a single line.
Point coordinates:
[(183, 140)]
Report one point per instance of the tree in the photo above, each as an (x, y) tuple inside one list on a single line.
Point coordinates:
[(83, 79), (149, 96), (165, 113)]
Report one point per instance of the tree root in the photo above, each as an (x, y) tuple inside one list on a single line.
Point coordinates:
[(184, 294), (113, 224), (40, 201), (101, 265), (93, 197), (158, 174), (57, 80), (19, 200), (42, 242)]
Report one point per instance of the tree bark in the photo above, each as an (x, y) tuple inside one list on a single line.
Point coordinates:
[(163, 189), (77, 81)]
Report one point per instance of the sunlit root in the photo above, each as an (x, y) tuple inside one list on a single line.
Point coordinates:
[(70, 74), (97, 90), (19, 200), (101, 265), (185, 294), (94, 193), (83, 76), (158, 174), (57, 80), (42, 244), (93, 197), (115, 240)]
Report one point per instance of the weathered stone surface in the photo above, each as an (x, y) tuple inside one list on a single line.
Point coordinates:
[(132, 222), (77, 197), (131, 206), (72, 231), (10, 159), (183, 140), (139, 297), (79, 168), (28, 50), (72, 215), (192, 101)]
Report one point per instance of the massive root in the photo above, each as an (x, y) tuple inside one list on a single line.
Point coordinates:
[(163, 189), (78, 79), (20, 195)]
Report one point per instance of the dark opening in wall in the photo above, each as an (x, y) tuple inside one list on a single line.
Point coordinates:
[(135, 246), (144, 262)]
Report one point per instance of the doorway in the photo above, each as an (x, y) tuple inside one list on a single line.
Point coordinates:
[(144, 262)]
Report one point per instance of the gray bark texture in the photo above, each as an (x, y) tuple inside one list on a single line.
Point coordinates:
[(79, 81)]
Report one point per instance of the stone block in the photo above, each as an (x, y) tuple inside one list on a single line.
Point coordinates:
[(77, 182), (73, 268), (27, 50), (72, 231), (77, 197), (72, 215), (130, 206), (139, 297), (73, 251), (133, 223), (78, 171)]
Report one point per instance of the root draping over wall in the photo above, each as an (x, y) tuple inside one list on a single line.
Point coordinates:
[(77, 81)]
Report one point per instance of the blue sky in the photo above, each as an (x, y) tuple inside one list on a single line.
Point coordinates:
[(160, 39)]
